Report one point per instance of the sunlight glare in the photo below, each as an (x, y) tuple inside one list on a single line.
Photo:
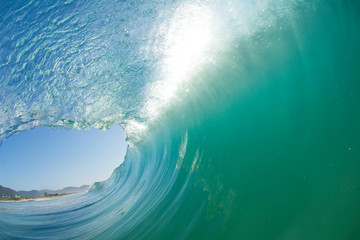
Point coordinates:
[(187, 40)]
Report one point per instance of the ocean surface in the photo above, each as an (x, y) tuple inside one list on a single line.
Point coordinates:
[(242, 117)]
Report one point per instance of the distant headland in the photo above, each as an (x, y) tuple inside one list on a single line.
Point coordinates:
[(9, 195)]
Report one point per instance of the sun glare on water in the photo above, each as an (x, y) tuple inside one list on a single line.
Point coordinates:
[(187, 39), (185, 42)]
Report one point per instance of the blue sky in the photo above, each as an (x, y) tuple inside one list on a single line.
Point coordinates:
[(45, 158)]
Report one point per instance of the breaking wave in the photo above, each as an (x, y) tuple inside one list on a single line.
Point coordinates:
[(242, 117)]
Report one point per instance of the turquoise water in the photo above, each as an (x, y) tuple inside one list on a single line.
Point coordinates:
[(242, 118)]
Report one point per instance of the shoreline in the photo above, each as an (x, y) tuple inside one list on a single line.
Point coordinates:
[(37, 198)]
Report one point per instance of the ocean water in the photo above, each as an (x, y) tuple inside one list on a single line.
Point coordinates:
[(242, 117)]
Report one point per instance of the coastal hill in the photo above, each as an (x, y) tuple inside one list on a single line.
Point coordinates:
[(8, 192)]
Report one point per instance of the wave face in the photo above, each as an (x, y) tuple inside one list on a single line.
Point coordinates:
[(242, 117)]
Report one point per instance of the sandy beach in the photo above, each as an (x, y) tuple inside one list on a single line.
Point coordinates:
[(35, 199)]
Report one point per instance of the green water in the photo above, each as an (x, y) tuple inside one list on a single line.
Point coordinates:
[(279, 131)]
